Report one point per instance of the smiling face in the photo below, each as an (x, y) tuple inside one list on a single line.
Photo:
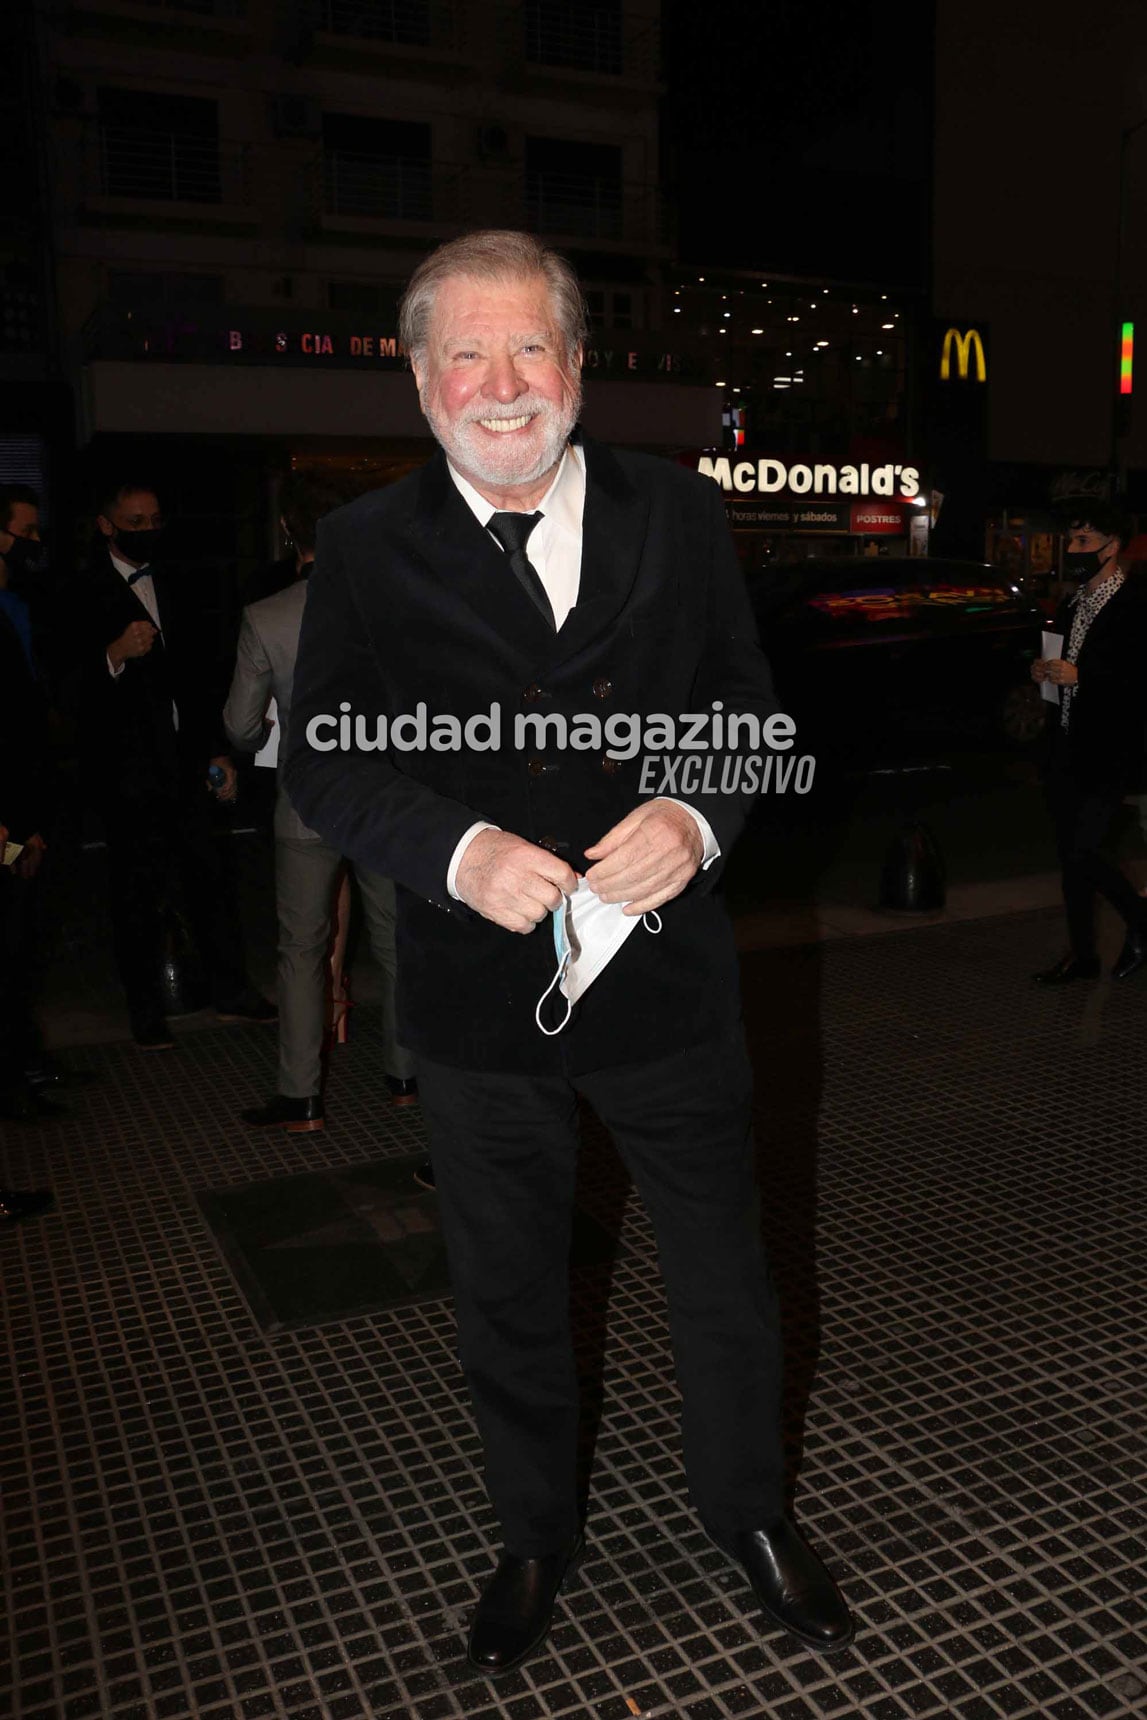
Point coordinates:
[(496, 386)]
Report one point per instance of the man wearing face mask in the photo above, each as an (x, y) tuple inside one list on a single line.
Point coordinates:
[(155, 672), (1096, 734)]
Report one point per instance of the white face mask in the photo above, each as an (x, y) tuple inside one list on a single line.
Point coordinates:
[(587, 935)]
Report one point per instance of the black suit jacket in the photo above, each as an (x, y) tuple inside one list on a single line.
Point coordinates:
[(1106, 740), (24, 792), (412, 601), (131, 744)]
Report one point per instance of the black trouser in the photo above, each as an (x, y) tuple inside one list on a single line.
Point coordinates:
[(19, 1036), (1082, 814), (504, 1158), (164, 851)]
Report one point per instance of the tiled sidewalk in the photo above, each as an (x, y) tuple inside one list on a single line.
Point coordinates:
[(200, 1520)]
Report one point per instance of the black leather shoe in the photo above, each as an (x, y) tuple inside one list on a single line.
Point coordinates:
[(17, 1204), (402, 1092), (791, 1584), (1132, 956), (297, 1116), (249, 1007), (1067, 969), (23, 1104), (512, 1617), (48, 1072)]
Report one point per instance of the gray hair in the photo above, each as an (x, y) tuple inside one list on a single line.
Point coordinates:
[(494, 254)]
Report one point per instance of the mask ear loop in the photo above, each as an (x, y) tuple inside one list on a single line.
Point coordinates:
[(552, 1032)]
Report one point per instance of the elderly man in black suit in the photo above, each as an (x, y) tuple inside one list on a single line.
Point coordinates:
[(155, 677), (530, 569)]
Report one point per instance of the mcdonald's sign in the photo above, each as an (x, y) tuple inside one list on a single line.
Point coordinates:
[(966, 344)]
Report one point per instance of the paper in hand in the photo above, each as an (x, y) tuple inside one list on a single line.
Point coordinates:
[(1051, 646)]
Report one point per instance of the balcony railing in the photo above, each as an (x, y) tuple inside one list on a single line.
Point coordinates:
[(431, 24), (394, 188), (568, 203), (409, 22), (165, 167), (197, 8), (579, 36), (585, 37)]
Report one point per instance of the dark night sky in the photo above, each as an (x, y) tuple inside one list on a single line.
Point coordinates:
[(798, 135)]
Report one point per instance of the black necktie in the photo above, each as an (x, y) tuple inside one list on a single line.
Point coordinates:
[(512, 532), (140, 573)]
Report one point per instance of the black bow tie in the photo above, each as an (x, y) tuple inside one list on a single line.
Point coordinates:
[(512, 531), (140, 573)]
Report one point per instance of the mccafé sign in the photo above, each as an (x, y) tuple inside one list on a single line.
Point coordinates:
[(771, 477)]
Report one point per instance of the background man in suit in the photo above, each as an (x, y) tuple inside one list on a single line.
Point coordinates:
[(155, 673), (1097, 736), (629, 599), (24, 815), (306, 868)]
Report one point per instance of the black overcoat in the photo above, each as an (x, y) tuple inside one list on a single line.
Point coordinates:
[(1105, 743), (412, 601)]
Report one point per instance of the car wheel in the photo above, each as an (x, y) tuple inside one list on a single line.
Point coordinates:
[(1022, 715)]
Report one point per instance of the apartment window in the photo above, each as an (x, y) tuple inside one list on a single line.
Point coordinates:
[(132, 287), (371, 298), (608, 309), (573, 188), (159, 146), (376, 167), (403, 21), (569, 33)]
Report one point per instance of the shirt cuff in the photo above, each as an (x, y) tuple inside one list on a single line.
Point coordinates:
[(456, 858), (712, 846), (113, 671)]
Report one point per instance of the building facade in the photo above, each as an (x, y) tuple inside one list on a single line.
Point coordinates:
[(1040, 244)]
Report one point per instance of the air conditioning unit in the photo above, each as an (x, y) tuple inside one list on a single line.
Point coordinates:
[(493, 143), (296, 116)]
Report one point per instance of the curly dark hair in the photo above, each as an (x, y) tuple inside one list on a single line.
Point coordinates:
[(1111, 518)]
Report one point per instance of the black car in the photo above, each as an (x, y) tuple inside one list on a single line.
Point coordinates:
[(867, 650)]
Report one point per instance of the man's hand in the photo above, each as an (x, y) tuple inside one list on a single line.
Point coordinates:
[(29, 862), (648, 858), (1040, 668), (136, 640), (1061, 673), (514, 883), (230, 787)]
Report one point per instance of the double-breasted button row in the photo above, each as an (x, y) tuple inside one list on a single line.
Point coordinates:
[(610, 766), (602, 687), (531, 694)]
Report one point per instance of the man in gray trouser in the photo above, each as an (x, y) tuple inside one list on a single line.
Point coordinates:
[(306, 869)]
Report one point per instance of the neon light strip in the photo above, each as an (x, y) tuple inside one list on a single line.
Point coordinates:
[(1126, 353)]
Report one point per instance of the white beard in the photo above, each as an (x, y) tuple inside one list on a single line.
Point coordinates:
[(477, 455)]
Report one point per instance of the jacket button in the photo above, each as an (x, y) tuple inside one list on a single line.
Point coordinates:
[(550, 842), (603, 687), (610, 766), (537, 767), (532, 693)]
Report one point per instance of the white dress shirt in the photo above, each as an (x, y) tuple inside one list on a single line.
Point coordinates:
[(554, 549), (144, 589)]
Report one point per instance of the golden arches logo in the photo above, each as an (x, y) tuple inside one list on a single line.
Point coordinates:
[(965, 345)]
